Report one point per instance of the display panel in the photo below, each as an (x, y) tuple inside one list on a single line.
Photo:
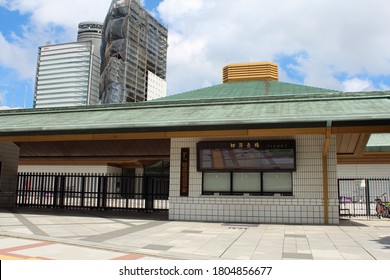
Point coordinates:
[(216, 182), (277, 182), (247, 156), (246, 182)]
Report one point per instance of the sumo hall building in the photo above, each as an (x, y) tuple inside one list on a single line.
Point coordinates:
[(251, 149)]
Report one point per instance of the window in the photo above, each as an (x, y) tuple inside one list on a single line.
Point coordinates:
[(216, 182), (253, 183), (246, 182), (277, 182)]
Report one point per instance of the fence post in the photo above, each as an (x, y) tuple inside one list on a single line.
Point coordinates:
[(105, 183), (18, 189), (62, 191), (82, 190), (368, 201), (148, 194), (55, 194), (338, 194), (99, 191)]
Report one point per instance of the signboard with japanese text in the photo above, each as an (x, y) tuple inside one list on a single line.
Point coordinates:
[(184, 171), (265, 155)]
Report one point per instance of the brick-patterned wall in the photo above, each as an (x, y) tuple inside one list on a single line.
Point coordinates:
[(363, 170), (305, 206), (9, 156)]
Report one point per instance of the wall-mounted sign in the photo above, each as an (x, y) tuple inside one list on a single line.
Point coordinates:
[(264, 155), (184, 171)]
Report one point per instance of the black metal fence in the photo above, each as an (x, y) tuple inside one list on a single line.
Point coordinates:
[(357, 195), (93, 191)]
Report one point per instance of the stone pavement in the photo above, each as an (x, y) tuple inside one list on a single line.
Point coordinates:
[(97, 235)]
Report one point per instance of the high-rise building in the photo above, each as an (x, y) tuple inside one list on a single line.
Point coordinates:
[(69, 74), (134, 54)]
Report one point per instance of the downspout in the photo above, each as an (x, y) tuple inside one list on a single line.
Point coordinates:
[(328, 134)]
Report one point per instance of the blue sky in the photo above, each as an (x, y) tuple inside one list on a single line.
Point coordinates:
[(340, 45), (11, 22)]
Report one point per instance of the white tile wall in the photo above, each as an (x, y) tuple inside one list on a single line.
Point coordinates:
[(9, 156), (305, 207), (363, 170)]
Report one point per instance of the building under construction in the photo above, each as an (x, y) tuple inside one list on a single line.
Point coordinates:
[(134, 54)]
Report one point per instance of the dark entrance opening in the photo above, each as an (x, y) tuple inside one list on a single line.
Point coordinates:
[(137, 176)]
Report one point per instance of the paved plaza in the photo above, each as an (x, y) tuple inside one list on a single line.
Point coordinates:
[(51, 234)]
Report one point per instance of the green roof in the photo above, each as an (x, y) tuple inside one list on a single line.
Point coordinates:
[(292, 111), (246, 90), (378, 143)]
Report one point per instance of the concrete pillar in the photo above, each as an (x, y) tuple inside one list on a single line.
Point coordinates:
[(9, 161)]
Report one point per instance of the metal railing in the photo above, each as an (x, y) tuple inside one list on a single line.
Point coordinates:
[(93, 191), (357, 195)]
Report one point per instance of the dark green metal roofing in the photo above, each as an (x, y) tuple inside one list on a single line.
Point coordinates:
[(205, 114), (246, 89), (378, 143)]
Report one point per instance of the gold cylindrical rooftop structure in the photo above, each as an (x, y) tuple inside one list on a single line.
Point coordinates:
[(252, 71)]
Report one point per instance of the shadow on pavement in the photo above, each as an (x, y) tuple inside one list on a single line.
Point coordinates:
[(163, 215)]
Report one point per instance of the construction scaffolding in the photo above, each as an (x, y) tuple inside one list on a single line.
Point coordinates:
[(134, 43)]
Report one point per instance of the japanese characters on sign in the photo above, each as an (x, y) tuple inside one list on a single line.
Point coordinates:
[(184, 171), (264, 155)]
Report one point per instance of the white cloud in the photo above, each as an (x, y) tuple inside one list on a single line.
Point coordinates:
[(337, 36), (348, 37), (49, 20), (64, 13), (177, 10), (14, 56), (356, 84)]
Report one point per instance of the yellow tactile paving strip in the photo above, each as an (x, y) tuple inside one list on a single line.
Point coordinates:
[(11, 257)]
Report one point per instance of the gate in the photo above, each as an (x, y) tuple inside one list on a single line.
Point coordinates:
[(357, 195), (93, 191)]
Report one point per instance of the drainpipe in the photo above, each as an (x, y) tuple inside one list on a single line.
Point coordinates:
[(328, 134)]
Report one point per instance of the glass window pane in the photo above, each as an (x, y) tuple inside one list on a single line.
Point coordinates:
[(216, 182), (246, 182), (277, 182)]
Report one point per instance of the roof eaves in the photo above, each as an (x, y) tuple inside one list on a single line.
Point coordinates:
[(329, 96)]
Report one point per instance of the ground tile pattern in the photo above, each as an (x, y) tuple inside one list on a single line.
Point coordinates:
[(100, 236)]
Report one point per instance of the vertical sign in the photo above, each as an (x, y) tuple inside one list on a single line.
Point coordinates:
[(0, 176), (184, 171)]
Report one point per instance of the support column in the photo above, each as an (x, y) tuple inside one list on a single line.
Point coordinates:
[(9, 161), (325, 173)]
